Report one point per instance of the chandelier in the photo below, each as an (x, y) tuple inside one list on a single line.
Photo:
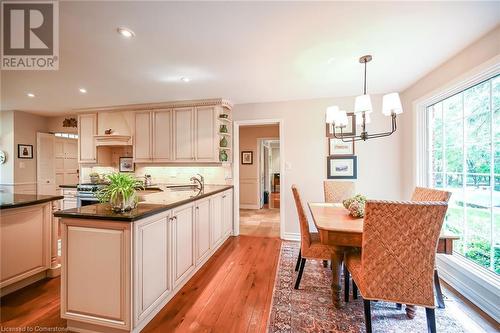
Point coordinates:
[(391, 106)]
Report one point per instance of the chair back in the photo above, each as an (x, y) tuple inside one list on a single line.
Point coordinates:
[(337, 191), (398, 250), (305, 234), (430, 194)]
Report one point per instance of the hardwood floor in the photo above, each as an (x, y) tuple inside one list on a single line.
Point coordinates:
[(231, 293), (260, 222)]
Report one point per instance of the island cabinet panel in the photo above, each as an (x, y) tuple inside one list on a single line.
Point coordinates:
[(152, 270), (206, 135), (143, 137), (24, 242), (87, 129), (96, 272), (202, 230), (162, 136), (183, 242), (227, 212), (184, 134), (217, 216)]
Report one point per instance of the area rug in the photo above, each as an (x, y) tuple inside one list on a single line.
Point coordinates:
[(310, 309)]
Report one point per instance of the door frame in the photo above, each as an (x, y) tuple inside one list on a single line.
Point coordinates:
[(260, 154), (236, 169)]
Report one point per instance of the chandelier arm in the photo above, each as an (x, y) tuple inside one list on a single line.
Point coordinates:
[(344, 137)]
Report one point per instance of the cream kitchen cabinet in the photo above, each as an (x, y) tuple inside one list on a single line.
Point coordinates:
[(206, 138), (216, 216), (162, 136), (143, 136), (183, 235), (87, 129), (227, 213), (202, 230), (184, 134)]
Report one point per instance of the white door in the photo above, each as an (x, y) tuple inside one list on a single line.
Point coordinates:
[(184, 134), (216, 219), (206, 135), (66, 161), (142, 137), (183, 241), (162, 136), (227, 213), (45, 164), (202, 218)]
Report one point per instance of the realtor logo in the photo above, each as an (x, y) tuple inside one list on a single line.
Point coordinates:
[(30, 35)]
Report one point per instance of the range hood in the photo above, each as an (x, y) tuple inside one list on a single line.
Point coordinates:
[(113, 140)]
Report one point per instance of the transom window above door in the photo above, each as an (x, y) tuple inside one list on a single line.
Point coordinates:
[(464, 158)]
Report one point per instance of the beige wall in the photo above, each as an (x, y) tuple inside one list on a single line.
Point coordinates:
[(249, 173), (455, 70), (7, 146), (305, 149), (55, 124)]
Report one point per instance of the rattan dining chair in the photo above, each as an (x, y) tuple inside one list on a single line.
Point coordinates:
[(337, 191), (310, 244), (397, 258)]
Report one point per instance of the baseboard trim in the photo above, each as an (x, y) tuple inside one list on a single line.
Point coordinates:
[(473, 286), (244, 206), (291, 236)]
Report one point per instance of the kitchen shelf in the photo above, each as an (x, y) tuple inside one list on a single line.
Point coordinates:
[(224, 148), (225, 120), (225, 133)]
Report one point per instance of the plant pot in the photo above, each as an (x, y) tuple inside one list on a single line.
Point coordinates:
[(119, 205)]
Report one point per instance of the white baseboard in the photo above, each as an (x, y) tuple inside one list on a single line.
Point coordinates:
[(478, 287), (245, 206), (291, 236)]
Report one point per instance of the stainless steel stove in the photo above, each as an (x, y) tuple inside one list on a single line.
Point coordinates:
[(85, 194)]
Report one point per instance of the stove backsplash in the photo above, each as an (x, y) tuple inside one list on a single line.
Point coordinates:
[(169, 174)]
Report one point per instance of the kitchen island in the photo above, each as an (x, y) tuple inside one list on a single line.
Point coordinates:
[(28, 240), (120, 269)]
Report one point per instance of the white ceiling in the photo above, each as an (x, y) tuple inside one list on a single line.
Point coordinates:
[(247, 52)]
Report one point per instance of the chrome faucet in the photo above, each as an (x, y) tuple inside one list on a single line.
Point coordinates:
[(200, 181)]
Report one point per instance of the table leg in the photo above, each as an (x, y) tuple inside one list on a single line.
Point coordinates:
[(337, 258), (411, 311)]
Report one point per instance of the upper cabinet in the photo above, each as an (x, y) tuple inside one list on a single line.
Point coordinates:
[(143, 146), (162, 135), (205, 135), (184, 134), (87, 129)]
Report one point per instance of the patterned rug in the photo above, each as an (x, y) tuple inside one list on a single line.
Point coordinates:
[(310, 309)]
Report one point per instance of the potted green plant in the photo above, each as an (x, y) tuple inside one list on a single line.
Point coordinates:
[(121, 191)]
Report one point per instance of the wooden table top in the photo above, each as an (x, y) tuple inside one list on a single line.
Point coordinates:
[(335, 218)]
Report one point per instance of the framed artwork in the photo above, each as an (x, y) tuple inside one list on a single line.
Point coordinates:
[(350, 129), (339, 147), (127, 164), (342, 167), (25, 151), (247, 157)]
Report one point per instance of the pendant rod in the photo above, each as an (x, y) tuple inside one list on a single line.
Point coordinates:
[(364, 88)]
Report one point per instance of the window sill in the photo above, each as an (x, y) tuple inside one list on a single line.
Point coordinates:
[(481, 288)]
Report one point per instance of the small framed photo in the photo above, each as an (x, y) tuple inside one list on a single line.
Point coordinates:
[(247, 157), (340, 147), (127, 164), (25, 151), (342, 167), (350, 129)]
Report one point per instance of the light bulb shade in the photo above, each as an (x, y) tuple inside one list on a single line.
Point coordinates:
[(391, 103), (359, 119), (341, 120), (331, 113), (363, 103)]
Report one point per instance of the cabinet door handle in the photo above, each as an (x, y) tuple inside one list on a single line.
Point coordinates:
[(197, 208), (223, 196)]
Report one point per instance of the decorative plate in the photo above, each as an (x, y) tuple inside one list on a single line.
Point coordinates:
[(2, 157)]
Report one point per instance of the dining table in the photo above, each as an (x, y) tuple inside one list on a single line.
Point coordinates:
[(338, 228)]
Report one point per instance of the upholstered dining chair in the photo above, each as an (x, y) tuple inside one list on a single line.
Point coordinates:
[(337, 191), (310, 244), (397, 258)]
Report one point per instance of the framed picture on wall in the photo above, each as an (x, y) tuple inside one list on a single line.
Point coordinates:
[(340, 147), (247, 157), (350, 129), (342, 167), (25, 151), (127, 164)]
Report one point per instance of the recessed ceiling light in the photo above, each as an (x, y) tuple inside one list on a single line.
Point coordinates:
[(83, 90), (185, 79), (125, 32), (30, 95)]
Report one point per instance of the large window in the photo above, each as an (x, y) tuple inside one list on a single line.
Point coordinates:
[(464, 158)]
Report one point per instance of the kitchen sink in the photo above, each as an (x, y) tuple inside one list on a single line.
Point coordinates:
[(186, 187)]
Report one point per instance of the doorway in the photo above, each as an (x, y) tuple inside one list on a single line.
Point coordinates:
[(258, 179)]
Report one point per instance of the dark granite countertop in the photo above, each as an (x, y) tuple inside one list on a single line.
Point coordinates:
[(152, 204), (15, 200), (68, 186)]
